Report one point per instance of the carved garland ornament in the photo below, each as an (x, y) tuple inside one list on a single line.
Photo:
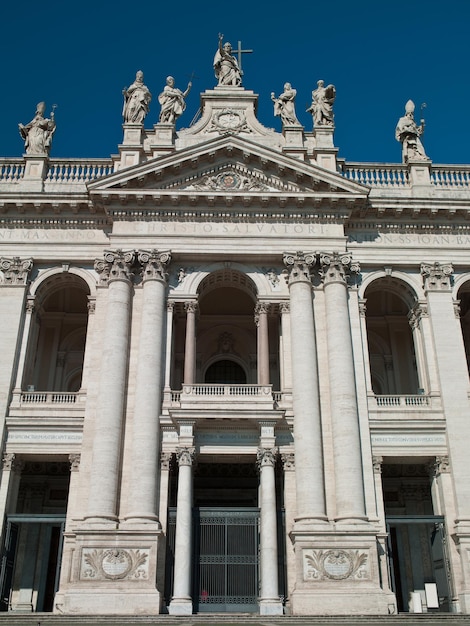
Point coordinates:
[(335, 565), (114, 564)]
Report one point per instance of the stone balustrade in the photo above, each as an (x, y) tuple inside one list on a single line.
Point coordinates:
[(47, 403), (77, 171), (11, 170), (406, 406), (384, 175)]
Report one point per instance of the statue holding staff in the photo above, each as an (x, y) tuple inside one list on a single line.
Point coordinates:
[(38, 133), (172, 101), (137, 99)]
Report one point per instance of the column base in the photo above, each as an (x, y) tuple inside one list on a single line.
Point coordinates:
[(271, 607), (181, 606)]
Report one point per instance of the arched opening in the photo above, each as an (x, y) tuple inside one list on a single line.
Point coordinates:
[(390, 339), (58, 334), (226, 372)]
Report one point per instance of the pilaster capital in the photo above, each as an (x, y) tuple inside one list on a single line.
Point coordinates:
[(191, 306), (437, 276), (91, 305), (298, 265), (415, 315), (261, 308), (336, 267), (284, 308), (15, 270), (12, 463), (377, 462), (30, 306), (170, 305), (116, 265), (74, 460), (185, 456), (266, 457), (362, 307), (165, 461), (154, 264), (439, 465), (288, 461)]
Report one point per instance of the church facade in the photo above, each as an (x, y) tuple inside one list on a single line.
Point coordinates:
[(234, 368)]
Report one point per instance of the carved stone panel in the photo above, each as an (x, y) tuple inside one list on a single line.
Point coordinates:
[(335, 565), (114, 564)]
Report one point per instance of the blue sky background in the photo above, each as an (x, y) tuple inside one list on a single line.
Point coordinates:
[(80, 55)]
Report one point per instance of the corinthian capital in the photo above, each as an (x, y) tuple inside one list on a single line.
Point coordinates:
[(437, 276), (15, 270), (116, 265), (185, 456), (299, 265), (266, 457), (335, 267), (154, 264)]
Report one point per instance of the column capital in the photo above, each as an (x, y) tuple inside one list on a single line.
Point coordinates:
[(30, 306), (116, 265), (261, 308), (284, 307), (191, 306), (91, 304), (437, 276), (439, 465), (288, 461), (11, 462), (337, 267), (298, 265), (74, 460), (154, 264), (266, 457), (377, 462), (415, 314), (185, 456), (15, 270), (165, 461)]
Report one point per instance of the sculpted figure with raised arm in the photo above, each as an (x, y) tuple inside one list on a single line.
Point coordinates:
[(38, 133), (284, 106), (137, 99), (226, 66), (172, 101), (322, 104), (409, 133)]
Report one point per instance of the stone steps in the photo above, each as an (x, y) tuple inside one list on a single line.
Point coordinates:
[(405, 619)]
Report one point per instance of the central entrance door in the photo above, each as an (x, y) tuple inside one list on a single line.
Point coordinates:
[(226, 559)]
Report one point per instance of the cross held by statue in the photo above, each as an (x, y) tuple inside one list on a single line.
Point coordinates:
[(239, 51)]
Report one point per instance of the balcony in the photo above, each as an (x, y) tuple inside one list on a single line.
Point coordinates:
[(404, 408), (47, 404)]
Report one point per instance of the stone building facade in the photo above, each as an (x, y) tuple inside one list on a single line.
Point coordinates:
[(234, 370)]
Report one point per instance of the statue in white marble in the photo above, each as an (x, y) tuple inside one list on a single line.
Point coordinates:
[(137, 99), (322, 104), (172, 101), (284, 106), (38, 133), (408, 133), (226, 66)]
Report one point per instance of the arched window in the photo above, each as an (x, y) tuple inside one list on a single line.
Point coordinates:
[(225, 372)]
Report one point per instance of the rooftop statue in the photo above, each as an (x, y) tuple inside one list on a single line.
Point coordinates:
[(136, 101), (409, 133), (322, 104), (226, 66), (172, 101), (284, 106), (38, 133)]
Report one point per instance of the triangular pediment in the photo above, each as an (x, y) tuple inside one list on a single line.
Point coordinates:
[(228, 164)]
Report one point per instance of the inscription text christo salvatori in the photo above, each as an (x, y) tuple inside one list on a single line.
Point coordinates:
[(226, 228), (411, 239)]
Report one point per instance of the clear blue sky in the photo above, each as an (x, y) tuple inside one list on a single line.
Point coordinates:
[(378, 54)]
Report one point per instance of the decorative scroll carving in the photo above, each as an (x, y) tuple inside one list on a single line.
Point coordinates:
[(114, 564), (116, 265), (415, 315), (12, 463), (229, 121), (154, 264), (272, 276), (437, 277), (185, 456), (440, 465), (15, 270), (377, 464), (74, 460), (335, 565), (266, 457), (298, 265), (288, 461), (337, 267)]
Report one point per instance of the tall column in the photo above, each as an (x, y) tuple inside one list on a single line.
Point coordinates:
[(116, 272), (305, 392), (349, 482), (9, 485), (170, 306), (285, 348), (261, 319), (453, 376), (382, 536), (190, 343), (181, 603), (143, 477), (288, 465), (269, 600)]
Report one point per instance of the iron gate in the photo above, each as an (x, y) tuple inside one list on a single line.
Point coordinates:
[(226, 559)]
